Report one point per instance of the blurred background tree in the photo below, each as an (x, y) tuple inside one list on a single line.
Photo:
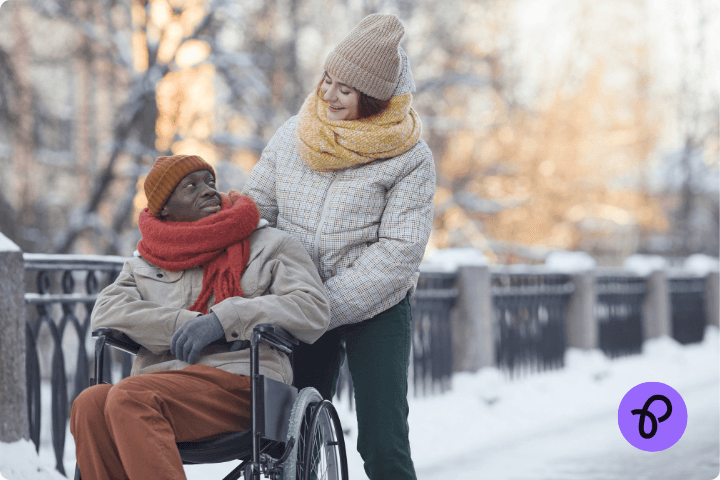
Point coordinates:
[(571, 125)]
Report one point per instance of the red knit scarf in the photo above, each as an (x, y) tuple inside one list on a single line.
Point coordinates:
[(218, 242)]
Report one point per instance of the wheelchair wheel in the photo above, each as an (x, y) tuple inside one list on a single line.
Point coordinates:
[(319, 450), (324, 456)]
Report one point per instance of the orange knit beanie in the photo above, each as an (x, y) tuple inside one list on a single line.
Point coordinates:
[(164, 176)]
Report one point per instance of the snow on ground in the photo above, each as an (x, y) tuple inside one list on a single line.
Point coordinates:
[(485, 408), (482, 409), (18, 461)]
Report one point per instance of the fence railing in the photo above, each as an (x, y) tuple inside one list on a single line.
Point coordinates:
[(689, 315), (58, 308), (431, 347), (529, 325), (618, 310)]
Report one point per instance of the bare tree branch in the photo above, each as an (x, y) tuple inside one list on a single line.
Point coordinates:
[(141, 93)]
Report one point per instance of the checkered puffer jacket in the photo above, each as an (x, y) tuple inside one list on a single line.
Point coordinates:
[(365, 227)]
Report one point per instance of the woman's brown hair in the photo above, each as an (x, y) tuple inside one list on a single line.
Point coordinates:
[(367, 105)]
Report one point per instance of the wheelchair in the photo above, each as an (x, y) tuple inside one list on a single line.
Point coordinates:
[(293, 435)]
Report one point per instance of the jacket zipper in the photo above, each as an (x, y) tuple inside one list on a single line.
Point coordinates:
[(316, 246)]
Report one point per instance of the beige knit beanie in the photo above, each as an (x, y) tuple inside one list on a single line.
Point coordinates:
[(368, 58), (165, 175)]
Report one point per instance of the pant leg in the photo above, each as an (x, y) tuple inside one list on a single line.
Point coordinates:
[(96, 453), (378, 354), (147, 414), (318, 364)]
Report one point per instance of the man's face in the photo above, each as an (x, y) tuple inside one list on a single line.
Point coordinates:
[(195, 197)]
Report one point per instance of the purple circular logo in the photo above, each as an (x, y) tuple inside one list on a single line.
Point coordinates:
[(652, 416)]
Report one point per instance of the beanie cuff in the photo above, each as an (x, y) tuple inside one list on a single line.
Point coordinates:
[(359, 78)]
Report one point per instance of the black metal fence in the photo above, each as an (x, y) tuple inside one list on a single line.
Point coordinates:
[(431, 349), (529, 320), (618, 309), (687, 308), (54, 310)]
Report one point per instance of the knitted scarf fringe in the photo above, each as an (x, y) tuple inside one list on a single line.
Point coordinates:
[(218, 242)]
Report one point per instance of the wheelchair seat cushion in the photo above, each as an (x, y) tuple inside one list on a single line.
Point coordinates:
[(232, 446)]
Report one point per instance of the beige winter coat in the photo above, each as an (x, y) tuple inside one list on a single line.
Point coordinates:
[(281, 287)]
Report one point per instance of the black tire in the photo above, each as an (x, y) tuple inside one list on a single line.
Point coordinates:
[(324, 456)]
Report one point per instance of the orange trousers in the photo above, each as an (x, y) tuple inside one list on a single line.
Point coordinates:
[(129, 430)]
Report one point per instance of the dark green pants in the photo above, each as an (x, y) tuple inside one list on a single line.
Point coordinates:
[(378, 351)]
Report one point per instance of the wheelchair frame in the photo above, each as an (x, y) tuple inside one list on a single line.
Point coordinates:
[(273, 406)]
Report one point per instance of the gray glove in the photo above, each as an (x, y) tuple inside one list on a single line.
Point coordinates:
[(189, 340)]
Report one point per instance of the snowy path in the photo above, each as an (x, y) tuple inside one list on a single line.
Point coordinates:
[(594, 449)]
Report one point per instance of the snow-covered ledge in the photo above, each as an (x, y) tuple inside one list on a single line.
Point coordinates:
[(13, 395)]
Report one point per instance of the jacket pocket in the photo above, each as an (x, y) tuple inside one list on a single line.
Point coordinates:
[(158, 274), (160, 286)]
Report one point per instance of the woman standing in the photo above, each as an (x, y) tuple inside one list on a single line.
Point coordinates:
[(350, 178)]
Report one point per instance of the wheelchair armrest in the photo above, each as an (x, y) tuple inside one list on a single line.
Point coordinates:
[(117, 340), (121, 341), (276, 336)]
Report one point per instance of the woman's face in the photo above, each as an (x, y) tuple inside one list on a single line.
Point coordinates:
[(342, 100)]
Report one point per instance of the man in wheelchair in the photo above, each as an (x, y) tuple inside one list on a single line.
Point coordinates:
[(207, 271)]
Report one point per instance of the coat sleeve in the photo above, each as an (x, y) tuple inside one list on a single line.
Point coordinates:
[(294, 298), (120, 306), (379, 278)]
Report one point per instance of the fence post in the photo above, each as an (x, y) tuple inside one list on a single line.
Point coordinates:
[(581, 328), (13, 395), (712, 298), (656, 308), (473, 340)]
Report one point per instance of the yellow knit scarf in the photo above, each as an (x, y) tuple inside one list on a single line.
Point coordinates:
[(327, 145)]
